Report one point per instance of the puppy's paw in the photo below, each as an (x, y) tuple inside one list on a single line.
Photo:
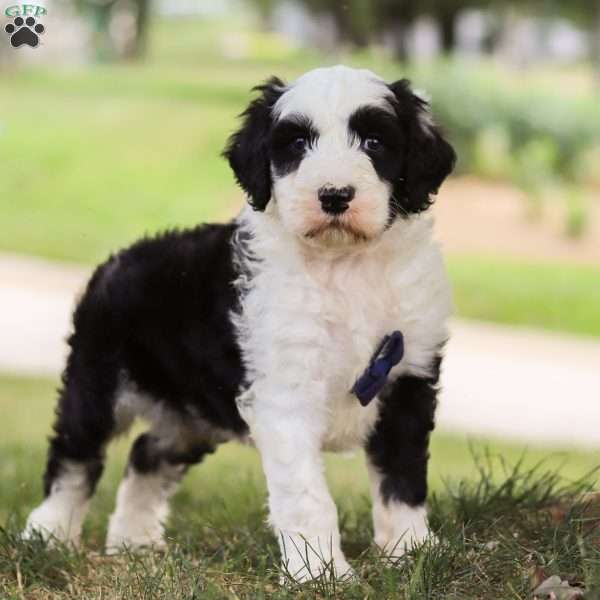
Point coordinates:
[(305, 560), (402, 534), (134, 534), (52, 525), (393, 550), (303, 571), (399, 528)]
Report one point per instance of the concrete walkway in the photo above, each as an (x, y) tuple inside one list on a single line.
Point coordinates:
[(501, 381)]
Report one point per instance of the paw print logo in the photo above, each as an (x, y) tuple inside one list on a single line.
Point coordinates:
[(24, 31)]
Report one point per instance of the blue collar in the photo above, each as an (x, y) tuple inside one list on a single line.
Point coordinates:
[(388, 354)]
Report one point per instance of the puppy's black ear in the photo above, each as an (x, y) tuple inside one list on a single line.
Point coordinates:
[(247, 150), (429, 158)]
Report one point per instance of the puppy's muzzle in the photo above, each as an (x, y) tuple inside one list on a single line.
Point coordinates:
[(335, 201)]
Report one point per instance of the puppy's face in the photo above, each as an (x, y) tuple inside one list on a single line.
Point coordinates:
[(340, 154)]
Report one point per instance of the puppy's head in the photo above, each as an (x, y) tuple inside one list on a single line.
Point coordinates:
[(340, 154)]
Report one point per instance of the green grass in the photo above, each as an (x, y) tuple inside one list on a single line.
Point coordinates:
[(220, 546), (553, 296), (107, 167), (123, 150)]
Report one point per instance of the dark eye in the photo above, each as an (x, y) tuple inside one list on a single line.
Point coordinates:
[(299, 143), (373, 144)]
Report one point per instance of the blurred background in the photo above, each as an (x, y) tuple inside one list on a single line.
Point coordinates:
[(112, 128)]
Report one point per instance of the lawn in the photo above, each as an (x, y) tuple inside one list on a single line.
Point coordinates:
[(220, 546), (123, 150), (561, 297)]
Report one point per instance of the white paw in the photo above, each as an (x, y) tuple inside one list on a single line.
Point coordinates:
[(134, 533), (393, 553), (399, 528), (53, 525), (141, 511), (304, 561), (302, 571), (60, 516), (394, 548)]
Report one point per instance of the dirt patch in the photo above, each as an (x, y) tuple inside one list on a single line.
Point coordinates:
[(474, 216)]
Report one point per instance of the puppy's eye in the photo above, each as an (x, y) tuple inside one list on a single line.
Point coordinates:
[(299, 143), (373, 144)]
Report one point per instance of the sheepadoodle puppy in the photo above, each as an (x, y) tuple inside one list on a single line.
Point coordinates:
[(313, 321)]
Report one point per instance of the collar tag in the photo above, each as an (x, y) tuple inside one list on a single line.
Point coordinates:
[(388, 354)]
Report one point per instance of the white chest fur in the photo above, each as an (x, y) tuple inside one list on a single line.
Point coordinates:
[(310, 320)]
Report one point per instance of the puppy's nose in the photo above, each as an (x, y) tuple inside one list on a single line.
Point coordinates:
[(335, 200)]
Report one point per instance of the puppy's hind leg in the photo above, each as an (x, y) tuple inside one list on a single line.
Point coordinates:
[(156, 466), (84, 424)]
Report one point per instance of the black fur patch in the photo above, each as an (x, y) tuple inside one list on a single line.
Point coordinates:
[(147, 454), (398, 446), (286, 155), (413, 159), (247, 150), (388, 160), (428, 157), (158, 314)]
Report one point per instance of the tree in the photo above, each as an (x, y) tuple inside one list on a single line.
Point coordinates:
[(101, 14), (360, 21), (353, 18), (396, 18), (585, 13), (596, 40), (446, 15), (265, 9)]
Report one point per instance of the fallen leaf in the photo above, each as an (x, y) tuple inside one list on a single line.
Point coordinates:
[(554, 588)]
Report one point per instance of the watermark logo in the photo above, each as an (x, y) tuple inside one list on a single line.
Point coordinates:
[(25, 29)]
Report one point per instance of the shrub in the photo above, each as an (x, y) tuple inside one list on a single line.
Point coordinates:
[(472, 99), (529, 133)]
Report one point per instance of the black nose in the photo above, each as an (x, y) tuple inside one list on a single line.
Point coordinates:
[(335, 200)]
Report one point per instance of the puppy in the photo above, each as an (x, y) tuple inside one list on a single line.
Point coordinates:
[(314, 321)]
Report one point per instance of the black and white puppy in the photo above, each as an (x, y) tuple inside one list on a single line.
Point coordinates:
[(258, 329)]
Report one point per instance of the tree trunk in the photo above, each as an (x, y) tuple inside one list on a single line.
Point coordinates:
[(494, 32), (101, 42), (595, 46), (349, 31), (447, 26), (141, 28), (398, 30), (400, 43)]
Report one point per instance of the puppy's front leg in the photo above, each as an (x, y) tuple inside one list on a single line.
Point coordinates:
[(397, 453), (287, 431)]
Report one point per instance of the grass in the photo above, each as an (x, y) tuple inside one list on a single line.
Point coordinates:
[(107, 167), (497, 508), (552, 296), (128, 149)]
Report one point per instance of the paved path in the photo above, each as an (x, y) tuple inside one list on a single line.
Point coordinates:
[(502, 381), (523, 384)]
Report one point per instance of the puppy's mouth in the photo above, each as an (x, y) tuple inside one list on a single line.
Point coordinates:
[(337, 228)]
